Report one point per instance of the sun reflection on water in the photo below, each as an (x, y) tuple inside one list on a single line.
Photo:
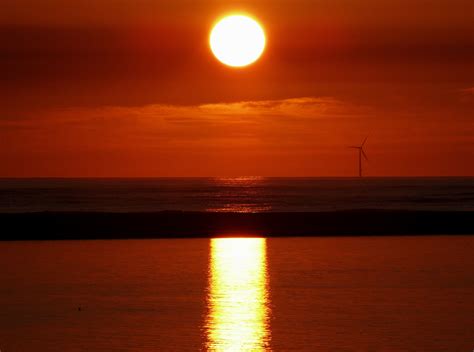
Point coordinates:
[(238, 312), (240, 195)]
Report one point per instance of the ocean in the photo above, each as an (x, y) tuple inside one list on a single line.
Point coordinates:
[(238, 294), (231, 292), (241, 194)]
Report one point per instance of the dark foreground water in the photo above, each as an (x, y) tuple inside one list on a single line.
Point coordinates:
[(241, 194), (301, 294)]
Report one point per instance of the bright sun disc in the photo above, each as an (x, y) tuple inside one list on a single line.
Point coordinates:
[(237, 40)]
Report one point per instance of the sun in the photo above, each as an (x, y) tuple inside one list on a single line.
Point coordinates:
[(237, 40)]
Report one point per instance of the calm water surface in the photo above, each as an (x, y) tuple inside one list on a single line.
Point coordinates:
[(397, 293), (237, 194)]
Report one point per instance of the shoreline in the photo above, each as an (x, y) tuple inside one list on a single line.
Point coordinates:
[(176, 224)]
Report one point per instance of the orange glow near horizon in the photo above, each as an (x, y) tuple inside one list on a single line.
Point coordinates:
[(238, 312)]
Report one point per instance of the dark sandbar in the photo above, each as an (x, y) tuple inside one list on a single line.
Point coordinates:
[(84, 225)]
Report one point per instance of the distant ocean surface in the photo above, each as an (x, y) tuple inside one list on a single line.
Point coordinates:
[(243, 194)]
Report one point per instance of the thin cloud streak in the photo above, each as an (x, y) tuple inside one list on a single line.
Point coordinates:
[(294, 137)]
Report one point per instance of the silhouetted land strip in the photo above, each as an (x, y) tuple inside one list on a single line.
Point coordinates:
[(83, 225)]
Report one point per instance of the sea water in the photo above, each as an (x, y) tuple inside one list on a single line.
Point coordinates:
[(238, 294)]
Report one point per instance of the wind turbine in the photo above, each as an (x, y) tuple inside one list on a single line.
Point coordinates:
[(361, 153)]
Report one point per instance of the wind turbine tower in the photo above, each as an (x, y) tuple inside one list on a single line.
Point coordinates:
[(361, 154)]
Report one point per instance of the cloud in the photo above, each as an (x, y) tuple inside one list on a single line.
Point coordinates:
[(307, 108), (247, 125), (468, 91), (297, 136), (467, 97)]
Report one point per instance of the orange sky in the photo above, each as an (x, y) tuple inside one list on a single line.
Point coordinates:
[(130, 88)]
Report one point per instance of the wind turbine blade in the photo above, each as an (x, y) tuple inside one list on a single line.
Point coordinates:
[(365, 156), (365, 140)]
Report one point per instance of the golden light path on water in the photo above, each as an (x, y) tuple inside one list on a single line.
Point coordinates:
[(238, 299)]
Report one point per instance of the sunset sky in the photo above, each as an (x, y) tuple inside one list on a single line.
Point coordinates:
[(131, 88)]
